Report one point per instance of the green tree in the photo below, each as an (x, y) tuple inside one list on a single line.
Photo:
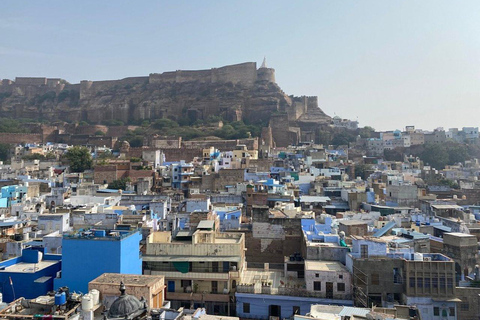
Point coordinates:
[(119, 184), (435, 155), (4, 151), (457, 152), (366, 132), (80, 159), (361, 170), (164, 123)]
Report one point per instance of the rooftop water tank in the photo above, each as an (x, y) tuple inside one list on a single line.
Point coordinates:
[(96, 296), (87, 302), (60, 298)]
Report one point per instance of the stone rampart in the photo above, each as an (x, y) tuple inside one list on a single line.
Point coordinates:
[(245, 73), (30, 81), (15, 138)]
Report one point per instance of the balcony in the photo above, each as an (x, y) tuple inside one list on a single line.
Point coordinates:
[(217, 297), (190, 275), (286, 291)]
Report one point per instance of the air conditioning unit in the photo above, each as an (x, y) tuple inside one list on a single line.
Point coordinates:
[(427, 258)]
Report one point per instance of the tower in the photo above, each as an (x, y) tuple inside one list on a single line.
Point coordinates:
[(264, 73)]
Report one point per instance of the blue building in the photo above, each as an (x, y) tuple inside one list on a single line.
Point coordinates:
[(11, 194), (264, 306), (181, 173), (88, 254), (28, 276)]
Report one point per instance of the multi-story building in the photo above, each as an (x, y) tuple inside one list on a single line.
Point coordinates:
[(88, 254), (202, 267), (181, 175), (385, 273)]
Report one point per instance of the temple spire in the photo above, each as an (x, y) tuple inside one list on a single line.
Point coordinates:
[(264, 63)]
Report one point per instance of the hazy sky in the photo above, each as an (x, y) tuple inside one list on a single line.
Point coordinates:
[(389, 63)]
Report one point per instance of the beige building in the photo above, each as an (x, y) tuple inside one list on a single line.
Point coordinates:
[(330, 278), (152, 288), (201, 267)]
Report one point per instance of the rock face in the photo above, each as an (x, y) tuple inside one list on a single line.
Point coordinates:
[(236, 92)]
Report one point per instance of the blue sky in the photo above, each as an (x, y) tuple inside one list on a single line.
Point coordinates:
[(389, 63)]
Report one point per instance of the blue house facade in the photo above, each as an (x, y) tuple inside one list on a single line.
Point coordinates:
[(87, 255), (264, 306), (29, 275)]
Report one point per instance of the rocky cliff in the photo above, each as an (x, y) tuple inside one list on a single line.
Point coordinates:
[(238, 92)]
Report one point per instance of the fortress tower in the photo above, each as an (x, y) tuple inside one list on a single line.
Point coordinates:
[(264, 73)]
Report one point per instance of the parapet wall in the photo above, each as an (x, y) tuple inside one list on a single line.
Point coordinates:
[(245, 73)]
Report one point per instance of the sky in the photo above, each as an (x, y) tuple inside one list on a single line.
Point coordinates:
[(387, 64)]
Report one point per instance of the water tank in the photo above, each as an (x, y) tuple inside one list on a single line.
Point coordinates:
[(96, 296), (60, 298), (87, 302), (99, 233)]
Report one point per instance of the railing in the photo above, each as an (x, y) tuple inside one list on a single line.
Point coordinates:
[(286, 291)]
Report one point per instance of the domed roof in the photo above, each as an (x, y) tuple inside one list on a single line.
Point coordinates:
[(126, 306)]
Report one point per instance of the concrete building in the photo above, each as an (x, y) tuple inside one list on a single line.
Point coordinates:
[(88, 254), (29, 275), (330, 278), (463, 249), (201, 267), (151, 288)]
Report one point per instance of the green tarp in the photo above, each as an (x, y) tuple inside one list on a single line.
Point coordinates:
[(182, 267)]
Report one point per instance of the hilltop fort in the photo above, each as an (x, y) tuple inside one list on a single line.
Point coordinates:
[(235, 92)]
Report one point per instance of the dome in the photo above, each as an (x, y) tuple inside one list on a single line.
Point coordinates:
[(126, 306)]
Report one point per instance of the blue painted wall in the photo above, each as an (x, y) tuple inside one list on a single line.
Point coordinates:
[(85, 259), (259, 304), (24, 284)]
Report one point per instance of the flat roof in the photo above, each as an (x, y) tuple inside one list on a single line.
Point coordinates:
[(206, 224), (25, 267), (324, 266), (127, 279), (459, 234), (446, 206), (351, 222)]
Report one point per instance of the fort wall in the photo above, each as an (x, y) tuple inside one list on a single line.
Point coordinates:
[(245, 73), (16, 138)]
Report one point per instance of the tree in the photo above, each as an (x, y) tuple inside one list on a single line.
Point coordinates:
[(119, 184), (80, 159), (361, 170), (4, 151), (435, 155)]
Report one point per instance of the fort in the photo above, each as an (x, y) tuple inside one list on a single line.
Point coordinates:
[(235, 92)]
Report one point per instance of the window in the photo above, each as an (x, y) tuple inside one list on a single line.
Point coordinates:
[(451, 312), (419, 282), (246, 307), (449, 283), (341, 287), (296, 310), (427, 283), (464, 306), (412, 282), (375, 279), (317, 275), (364, 251), (442, 283), (436, 311), (340, 276), (434, 283), (317, 286)]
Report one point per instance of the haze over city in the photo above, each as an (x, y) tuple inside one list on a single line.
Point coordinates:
[(390, 64)]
